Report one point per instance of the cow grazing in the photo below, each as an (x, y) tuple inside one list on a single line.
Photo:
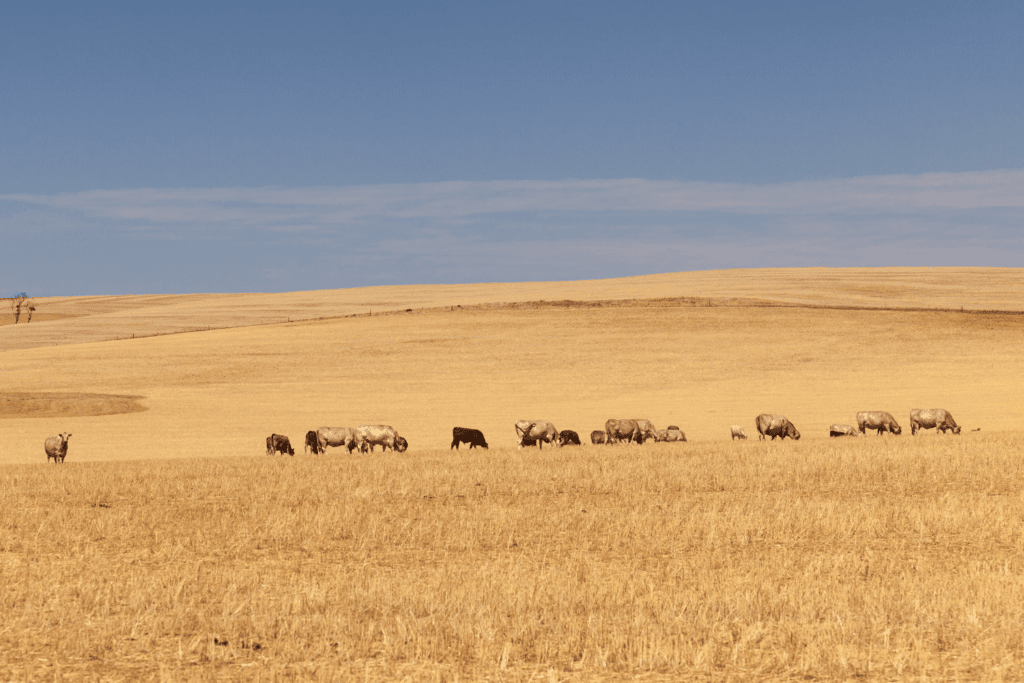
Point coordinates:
[(312, 443), (775, 426), (843, 430), (647, 431), (671, 434), (877, 419), (276, 443), (567, 437), (401, 445), (737, 432), (597, 437), (57, 447), (933, 418), (622, 430), (336, 436), (536, 431), (384, 436), (474, 437)]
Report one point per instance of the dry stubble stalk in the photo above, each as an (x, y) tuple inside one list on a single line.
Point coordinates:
[(872, 558)]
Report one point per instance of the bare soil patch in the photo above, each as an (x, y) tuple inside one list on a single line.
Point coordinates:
[(62, 404)]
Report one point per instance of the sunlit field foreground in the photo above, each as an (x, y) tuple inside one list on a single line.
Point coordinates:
[(873, 558)]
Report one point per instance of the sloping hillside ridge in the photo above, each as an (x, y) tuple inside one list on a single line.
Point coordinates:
[(74, 320)]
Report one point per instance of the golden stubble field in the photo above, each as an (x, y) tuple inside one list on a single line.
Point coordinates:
[(169, 547)]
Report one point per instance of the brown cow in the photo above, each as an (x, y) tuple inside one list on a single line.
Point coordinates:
[(277, 443)]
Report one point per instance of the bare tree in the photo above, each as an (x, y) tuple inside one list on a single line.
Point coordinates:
[(19, 302)]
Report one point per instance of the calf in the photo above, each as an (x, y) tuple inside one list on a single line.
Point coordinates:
[(568, 437), (843, 430)]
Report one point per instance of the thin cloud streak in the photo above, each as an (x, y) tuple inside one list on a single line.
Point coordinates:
[(322, 207)]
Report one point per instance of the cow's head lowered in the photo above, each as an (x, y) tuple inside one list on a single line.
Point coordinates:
[(791, 432)]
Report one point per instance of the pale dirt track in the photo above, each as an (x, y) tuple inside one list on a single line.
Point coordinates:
[(221, 392)]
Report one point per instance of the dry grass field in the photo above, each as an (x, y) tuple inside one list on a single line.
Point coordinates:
[(170, 547)]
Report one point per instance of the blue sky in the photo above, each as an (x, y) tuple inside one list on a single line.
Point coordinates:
[(272, 147)]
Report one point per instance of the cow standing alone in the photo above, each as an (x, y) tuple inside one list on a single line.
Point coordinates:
[(474, 437), (57, 447), (737, 432)]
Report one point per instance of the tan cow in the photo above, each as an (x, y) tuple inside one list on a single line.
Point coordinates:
[(622, 430), (647, 431), (385, 436), (336, 436), (775, 426), (933, 418), (737, 432), (537, 432), (673, 433), (877, 419), (843, 430)]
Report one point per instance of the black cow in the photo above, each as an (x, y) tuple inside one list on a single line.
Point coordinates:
[(276, 443), (312, 443), (568, 437), (474, 437)]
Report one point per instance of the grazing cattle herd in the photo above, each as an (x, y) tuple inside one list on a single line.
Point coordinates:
[(539, 432)]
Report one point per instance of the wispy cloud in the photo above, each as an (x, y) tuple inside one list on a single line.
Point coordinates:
[(274, 239), (321, 207)]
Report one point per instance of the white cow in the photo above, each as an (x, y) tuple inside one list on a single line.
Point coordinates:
[(57, 447)]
